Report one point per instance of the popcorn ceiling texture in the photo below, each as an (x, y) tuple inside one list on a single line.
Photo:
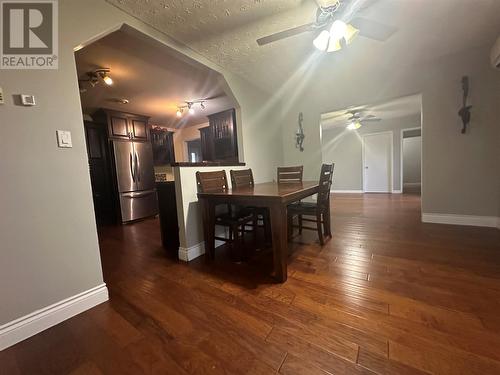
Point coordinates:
[(225, 32)]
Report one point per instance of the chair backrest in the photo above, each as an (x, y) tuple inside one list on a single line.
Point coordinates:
[(241, 178), (211, 181), (290, 174), (325, 184)]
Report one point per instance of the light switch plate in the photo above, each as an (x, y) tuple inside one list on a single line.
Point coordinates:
[(1, 96), (64, 139)]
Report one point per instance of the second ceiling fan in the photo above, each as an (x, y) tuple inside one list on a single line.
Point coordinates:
[(337, 25)]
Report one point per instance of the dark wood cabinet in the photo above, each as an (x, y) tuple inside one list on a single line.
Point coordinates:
[(219, 140), (207, 144), (100, 173), (168, 216), (163, 146), (123, 125)]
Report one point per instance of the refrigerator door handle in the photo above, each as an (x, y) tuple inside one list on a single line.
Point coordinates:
[(138, 194), (137, 168), (132, 168)]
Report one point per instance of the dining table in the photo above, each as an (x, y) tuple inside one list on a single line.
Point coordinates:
[(276, 197)]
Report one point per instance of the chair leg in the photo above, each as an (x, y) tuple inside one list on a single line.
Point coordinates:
[(326, 225), (300, 223), (320, 229)]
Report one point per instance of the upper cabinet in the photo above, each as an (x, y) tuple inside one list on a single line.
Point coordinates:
[(219, 140), (122, 125), (163, 146)]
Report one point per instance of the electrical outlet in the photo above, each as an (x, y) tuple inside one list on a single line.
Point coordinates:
[(28, 100), (1, 96)]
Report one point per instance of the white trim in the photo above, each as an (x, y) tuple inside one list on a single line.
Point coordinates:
[(187, 254), (346, 191), (478, 221), (397, 191), (391, 169), (26, 326)]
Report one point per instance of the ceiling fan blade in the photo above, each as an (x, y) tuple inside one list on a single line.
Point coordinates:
[(371, 119), (286, 34), (373, 29)]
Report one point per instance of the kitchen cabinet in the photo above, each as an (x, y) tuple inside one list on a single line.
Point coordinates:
[(219, 140), (123, 125), (168, 216), (163, 146)]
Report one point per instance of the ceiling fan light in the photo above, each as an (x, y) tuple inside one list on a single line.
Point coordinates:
[(338, 30), (351, 33), (179, 112), (334, 45), (321, 41), (353, 125)]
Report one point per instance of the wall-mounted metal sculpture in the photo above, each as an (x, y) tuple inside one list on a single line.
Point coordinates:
[(464, 112), (299, 134)]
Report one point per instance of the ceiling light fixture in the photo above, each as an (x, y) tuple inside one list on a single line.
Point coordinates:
[(339, 35), (96, 76), (190, 107), (353, 125)]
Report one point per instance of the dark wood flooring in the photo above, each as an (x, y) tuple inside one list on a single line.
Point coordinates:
[(386, 295)]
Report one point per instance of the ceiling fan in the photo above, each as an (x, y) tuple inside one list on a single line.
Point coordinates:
[(337, 25), (356, 119)]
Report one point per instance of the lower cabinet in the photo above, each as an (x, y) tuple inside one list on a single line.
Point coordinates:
[(168, 216)]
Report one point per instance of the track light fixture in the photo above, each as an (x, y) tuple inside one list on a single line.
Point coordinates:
[(189, 106), (96, 76)]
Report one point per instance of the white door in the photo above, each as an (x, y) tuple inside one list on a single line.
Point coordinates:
[(377, 163)]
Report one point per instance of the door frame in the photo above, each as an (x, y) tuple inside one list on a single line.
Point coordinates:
[(391, 169), (401, 158)]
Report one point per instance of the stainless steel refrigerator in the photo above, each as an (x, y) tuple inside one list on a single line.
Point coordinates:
[(135, 179)]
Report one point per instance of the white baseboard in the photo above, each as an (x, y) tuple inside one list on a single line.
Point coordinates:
[(478, 221), (22, 328), (397, 192), (187, 254), (347, 191)]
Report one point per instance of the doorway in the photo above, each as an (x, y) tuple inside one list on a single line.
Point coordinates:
[(194, 150), (377, 162), (411, 160)]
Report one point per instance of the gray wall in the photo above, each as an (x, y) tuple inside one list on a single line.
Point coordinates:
[(412, 157), (460, 172), (344, 148), (49, 242)]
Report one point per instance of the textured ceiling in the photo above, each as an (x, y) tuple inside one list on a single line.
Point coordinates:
[(224, 31), (152, 77), (397, 108)]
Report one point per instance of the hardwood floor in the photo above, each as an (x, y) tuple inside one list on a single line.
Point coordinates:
[(386, 295)]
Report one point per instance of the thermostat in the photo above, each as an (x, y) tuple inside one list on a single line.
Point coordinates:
[(28, 100)]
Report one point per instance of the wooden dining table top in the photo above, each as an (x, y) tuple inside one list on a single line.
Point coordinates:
[(266, 190)]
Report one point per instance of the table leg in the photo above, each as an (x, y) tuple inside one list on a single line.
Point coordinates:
[(208, 214), (280, 243)]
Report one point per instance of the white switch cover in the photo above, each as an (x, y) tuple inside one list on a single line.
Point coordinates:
[(64, 138)]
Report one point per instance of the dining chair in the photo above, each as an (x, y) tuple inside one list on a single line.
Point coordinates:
[(232, 218), (244, 178), (290, 174), (319, 210)]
